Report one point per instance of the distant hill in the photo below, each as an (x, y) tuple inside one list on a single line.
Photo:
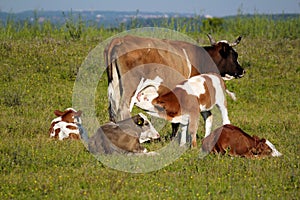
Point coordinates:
[(107, 19), (100, 18)]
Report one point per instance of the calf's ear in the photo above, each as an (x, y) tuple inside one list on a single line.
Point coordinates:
[(78, 113), (256, 138)]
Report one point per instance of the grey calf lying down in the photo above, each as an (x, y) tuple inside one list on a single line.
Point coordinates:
[(123, 137)]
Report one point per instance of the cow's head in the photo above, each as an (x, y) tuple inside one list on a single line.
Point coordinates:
[(226, 58)]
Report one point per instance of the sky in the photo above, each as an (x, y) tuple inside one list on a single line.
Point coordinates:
[(216, 8)]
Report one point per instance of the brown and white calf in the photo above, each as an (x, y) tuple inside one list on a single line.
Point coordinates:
[(234, 141), (124, 136), (184, 103), (65, 126)]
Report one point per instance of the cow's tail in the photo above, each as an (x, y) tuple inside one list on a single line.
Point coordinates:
[(231, 94), (113, 75)]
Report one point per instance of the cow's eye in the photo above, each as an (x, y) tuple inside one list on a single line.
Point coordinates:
[(146, 123)]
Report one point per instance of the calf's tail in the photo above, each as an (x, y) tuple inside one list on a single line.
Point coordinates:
[(231, 94)]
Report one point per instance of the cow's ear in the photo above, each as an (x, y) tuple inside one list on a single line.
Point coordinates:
[(58, 113)]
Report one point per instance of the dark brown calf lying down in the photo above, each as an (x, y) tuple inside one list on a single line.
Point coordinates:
[(234, 141)]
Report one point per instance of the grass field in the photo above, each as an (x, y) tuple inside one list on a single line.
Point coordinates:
[(37, 74)]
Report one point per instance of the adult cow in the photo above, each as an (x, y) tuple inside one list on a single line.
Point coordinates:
[(130, 58)]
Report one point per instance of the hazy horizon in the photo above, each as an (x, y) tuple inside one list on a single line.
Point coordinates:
[(203, 7)]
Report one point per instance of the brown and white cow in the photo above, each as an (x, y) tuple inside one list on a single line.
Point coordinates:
[(234, 141), (123, 137), (130, 58), (184, 103), (65, 126)]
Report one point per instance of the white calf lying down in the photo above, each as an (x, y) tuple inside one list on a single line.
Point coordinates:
[(123, 137), (65, 126), (184, 103)]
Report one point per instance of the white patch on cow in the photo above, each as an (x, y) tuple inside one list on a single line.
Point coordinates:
[(193, 86), (208, 125), (184, 131), (64, 131), (114, 90), (182, 119), (188, 62), (143, 85), (71, 109), (227, 77), (145, 150), (223, 41), (220, 97), (145, 101), (275, 153), (57, 119)]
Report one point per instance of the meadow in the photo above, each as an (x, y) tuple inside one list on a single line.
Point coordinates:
[(39, 64)]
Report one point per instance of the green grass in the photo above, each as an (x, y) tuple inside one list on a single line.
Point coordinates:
[(37, 76)]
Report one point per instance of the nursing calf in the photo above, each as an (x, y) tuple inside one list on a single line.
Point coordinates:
[(236, 142), (184, 103), (124, 136), (65, 125)]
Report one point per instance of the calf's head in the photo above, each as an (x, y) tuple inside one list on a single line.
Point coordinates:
[(65, 125), (69, 115), (261, 149), (226, 58), (148, 132)]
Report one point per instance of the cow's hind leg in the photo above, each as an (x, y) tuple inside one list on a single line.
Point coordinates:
[(208, 119), (175, 127)]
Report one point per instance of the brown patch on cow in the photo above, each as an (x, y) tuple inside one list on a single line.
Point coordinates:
[(167, 105), (73, 136), (56, 133), (209, 97), (72, 127)]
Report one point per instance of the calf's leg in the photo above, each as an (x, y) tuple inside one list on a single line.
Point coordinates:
[(208, 119)]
